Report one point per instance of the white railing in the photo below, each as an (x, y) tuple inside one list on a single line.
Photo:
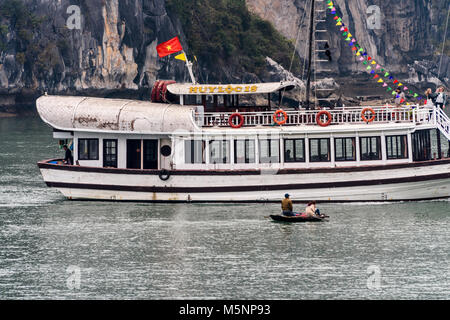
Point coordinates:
[(442, 121), (349, 115)]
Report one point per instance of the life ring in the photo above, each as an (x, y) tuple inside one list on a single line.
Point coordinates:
[(164, 175), (363, 115), (319, 121), (241, 120), (275, 117)]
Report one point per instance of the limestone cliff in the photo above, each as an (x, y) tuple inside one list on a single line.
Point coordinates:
[(408, 40), (113, 49)]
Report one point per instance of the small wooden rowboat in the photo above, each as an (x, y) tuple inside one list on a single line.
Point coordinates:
[(300, 218)]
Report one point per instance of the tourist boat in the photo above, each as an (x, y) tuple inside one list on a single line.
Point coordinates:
[(149, 151), (217, 143)]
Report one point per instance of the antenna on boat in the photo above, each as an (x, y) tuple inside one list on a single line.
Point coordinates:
[(310, 39)]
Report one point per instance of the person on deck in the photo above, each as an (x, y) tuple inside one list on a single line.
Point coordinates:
[(311, 210), (68, 158), (441, 98), (286, 206)]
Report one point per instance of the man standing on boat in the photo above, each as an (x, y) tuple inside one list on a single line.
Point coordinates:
[(68, 158), (286, 206)]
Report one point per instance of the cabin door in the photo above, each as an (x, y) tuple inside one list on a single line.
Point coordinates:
[(134, 154), (150, 154)]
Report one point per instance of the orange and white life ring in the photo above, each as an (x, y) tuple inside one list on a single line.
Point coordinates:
[(319, 120), (363, 115), (240, 123), (277, 114)]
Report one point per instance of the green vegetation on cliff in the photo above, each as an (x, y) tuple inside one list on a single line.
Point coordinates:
[(224, 32)]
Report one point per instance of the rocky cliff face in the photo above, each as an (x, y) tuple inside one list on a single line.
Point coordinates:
[(406, 41), (114, 48)]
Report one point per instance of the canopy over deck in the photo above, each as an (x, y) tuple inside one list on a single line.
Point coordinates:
[(229, 89), (70, 113)]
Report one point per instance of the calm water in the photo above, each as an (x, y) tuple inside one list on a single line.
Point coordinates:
[(53, 248)]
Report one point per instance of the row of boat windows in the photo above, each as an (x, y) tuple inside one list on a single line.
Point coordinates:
[(294, 150)]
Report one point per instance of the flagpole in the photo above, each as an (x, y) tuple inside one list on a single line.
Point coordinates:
[(189, 66)]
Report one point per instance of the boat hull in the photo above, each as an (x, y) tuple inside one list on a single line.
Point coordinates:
[(416, 181)]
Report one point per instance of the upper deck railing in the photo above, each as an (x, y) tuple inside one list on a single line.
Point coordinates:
[(348, 115)]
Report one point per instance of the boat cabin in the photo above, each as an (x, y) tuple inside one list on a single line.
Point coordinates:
[(139, 135)]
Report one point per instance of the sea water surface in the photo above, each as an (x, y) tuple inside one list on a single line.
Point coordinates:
[(52, 248)]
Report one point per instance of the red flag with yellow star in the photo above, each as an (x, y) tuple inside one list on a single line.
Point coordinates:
[(171, 46)]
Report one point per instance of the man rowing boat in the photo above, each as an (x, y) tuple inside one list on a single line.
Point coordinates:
[(287, 207)]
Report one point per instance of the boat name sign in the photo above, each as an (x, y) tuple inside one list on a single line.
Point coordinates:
[(229, 89)]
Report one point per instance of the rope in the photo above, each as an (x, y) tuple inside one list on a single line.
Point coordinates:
[(293, 54), (443, 43)]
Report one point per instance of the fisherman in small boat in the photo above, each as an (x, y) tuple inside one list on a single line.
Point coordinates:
[(287, 207), (311, 210), (68, 158)]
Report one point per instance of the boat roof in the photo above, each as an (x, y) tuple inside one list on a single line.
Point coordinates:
[(70, 113), (229, 89)]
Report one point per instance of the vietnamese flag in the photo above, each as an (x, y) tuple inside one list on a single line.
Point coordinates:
[(171, 46)]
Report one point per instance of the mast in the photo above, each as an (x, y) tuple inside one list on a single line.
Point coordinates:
[(310, 48)]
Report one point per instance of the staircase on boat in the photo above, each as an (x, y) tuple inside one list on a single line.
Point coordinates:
[(442, 122)]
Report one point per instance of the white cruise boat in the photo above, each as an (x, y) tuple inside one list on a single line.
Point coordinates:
[(155, 151), (216, 143)]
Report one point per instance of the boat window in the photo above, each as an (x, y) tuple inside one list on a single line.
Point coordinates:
[(421, 144), (194, 151), (87, 149), (244, 151), (269, 151), (294, 150), (110, 153), (319, 150), (150, 155), (345, 149), (370, 148), (219, 151), (397, 147)]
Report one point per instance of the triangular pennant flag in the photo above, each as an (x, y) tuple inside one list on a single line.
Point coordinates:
[(385, 84), (339, 24), (369, 67), (400, 84), (358, 53), (406, 88), (380, 81), (373, 62), (395, 81), (386, 74), (361, 59), (372, 72), (342, 29), (393, 93), (369, 58), (365, 62), (378, 66), (397, 96), (376, 76), (181, 57), (391, 77), (389, 89)]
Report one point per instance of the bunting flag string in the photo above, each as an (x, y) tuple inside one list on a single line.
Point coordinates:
[(372, 66)]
